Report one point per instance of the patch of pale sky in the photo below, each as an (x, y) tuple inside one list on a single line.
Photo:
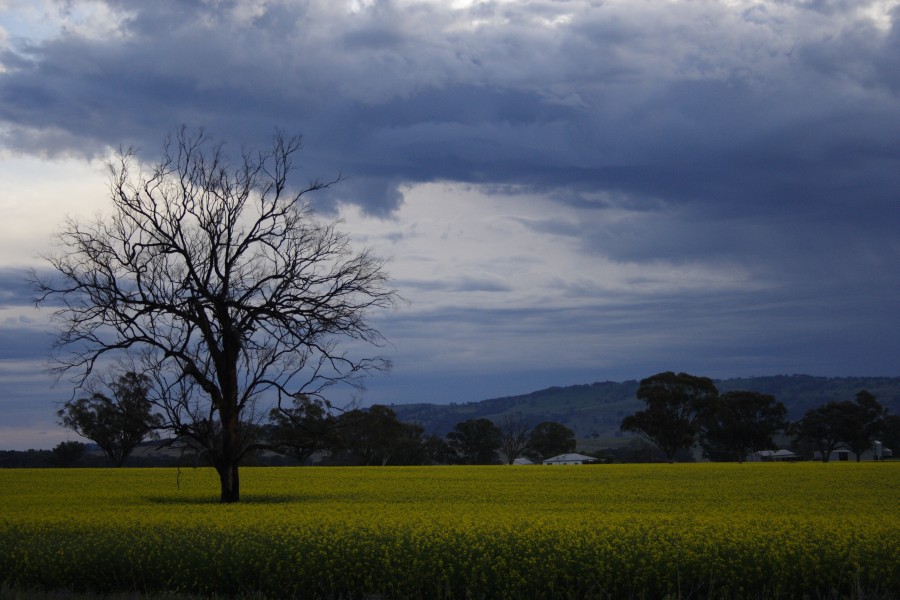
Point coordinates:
[(36, 195), (248, 10), (22, 317), (38, 20), (447, 238)]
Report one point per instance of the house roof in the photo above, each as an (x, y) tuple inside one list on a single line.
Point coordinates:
[(570, 457)]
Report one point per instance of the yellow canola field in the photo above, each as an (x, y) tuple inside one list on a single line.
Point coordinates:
[(610, 531)]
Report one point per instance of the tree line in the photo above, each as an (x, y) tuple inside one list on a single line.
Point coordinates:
[(683, 411), (122, 419)]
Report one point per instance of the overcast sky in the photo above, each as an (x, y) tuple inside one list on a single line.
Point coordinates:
[(569, 190)]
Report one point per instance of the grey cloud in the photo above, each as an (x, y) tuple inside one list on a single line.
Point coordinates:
[(15, 287), (466, 284), (716, 334), (24, 343), (619, 101)]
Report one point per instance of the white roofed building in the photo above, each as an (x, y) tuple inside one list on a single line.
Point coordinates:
[(570, 459)]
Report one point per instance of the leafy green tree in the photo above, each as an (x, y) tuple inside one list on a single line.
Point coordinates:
[(861, 422), (412, 446), (855, 424), (437, 451), (476, 441), (371, 436), (737, 423), (550, 439), (304, 429), (216, 273), (118, 424), (672, 400), (66, 454)]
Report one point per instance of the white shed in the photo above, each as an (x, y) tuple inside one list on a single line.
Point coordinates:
[(570, 459), (784, 455)]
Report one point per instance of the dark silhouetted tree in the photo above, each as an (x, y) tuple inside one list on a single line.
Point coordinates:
[(861, 423), (371, 436), (302, 430), (437, 451), (514, 440), (66, 454), (475, 441), (412, 447), (669, 421), (550, 439), (117, 422), (217, 274), (738, 423), (820, 428), (890, 434)]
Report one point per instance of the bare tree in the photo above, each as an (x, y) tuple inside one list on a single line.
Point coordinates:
[(514, 441), (216, 272)]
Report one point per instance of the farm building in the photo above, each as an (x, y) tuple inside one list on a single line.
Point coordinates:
[(878, 452), (570, 459), (772, 456)]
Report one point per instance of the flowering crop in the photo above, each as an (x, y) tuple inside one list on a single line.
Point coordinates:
[(618, 531)]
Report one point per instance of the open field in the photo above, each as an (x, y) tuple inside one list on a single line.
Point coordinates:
[(617, 531)]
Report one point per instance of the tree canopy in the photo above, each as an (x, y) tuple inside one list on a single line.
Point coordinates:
[(549, 439), (304, 428), (117, 424), (855, 424), (737, 423), (475, 441), (672, 400)]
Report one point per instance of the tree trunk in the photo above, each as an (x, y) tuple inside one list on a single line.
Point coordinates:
[(228, 462), (231, 485)]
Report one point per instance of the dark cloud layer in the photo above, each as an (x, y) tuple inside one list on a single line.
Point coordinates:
[(771, 106)]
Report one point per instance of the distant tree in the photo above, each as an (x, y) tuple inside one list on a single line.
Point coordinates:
[(66, 454), (669, 421), (737, 423), (217, 271), (118, 424), (437, 451), (304, 429), (550, 439), (514, 440), (821, 428), (475, 441), (855, 424), (371, 436), (890, 433), (412, 446), (861, 422)]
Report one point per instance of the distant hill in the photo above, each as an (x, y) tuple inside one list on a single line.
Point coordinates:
[(594, 411)]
